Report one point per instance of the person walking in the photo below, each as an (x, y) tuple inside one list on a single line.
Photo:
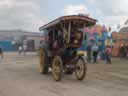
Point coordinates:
[(127, 51), (89, 51), (24, 49), (122, 51), (20, 49), (95, 49), (108, 55), (1, 53)]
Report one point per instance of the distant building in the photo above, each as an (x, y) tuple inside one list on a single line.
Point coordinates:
[(119, 39), (10, 40)]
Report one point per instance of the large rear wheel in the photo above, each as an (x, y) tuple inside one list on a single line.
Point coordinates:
[(43, 61), (81, 69), (57, 68)]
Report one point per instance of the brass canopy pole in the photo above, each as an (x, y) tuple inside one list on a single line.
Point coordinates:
[(69, 31)]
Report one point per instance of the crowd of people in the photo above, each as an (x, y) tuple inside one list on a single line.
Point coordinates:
[(94, 53)]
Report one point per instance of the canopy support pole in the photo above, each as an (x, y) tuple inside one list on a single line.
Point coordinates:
[(69, 31), (84, 26)]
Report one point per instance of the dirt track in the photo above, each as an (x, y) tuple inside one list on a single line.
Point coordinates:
[(19, 76)]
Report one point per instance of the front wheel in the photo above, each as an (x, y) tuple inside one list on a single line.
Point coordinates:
[(57, 68), (81, 69), (43, 62)]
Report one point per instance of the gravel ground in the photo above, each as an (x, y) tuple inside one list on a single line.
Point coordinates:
[(19, 76)]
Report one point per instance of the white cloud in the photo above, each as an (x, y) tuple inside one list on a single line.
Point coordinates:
[(113, 12), (113, 7), (116, 19), (75, 9), (20, 14)]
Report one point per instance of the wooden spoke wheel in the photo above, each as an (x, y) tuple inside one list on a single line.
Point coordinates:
[(57, 68), (42, 61), (81, 69)]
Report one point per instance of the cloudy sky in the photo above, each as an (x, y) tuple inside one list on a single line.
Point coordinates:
[(31, 14)]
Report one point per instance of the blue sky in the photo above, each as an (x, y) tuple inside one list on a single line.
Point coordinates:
[(31, 14)]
